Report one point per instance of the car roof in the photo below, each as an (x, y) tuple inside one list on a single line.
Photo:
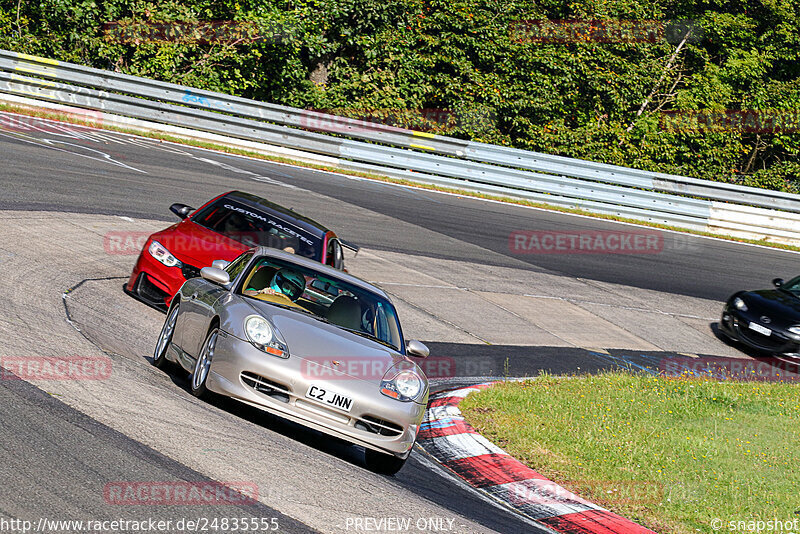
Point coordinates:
[(324, 269), (286, 214)]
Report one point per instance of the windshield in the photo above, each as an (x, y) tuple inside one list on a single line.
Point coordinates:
[(253, 228), (792, 286), (331, 299)]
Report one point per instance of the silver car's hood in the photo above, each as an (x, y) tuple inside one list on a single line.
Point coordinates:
[(329, 351)]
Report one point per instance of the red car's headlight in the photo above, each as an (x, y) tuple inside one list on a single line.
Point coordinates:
[(160, 253)]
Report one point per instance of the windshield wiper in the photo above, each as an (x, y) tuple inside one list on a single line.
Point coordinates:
[(308, 312), (368, 336)]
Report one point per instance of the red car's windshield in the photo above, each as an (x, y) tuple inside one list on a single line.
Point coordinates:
[(253, 227)]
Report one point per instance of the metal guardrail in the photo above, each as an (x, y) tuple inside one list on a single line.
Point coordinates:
[(411, 155)]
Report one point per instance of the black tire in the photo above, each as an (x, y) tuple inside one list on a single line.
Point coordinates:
[(720, 334), (384, 464), (165, 338), (203, 365)]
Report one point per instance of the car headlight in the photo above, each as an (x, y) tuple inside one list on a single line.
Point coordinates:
[(739, 304), (264, 336), (794, 329), (403, 383), (160, 252)]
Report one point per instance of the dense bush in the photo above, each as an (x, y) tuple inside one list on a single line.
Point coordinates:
[(582, 99)]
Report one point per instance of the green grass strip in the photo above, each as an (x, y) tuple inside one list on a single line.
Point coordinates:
[(671, 454)]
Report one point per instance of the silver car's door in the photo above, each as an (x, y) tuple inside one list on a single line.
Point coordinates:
[(183, 297)]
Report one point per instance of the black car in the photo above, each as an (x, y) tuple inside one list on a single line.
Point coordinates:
[(767, 320)]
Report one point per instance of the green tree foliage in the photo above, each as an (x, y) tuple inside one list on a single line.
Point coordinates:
[(604, 101)]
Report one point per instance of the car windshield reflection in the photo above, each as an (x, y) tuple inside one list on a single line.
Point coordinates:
[(792, 286), (253, 228), (302, 289)]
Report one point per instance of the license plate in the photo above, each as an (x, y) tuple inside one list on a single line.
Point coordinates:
[(764, 331), (330, 397)]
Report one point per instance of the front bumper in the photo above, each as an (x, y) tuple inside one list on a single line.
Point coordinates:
[(736, 325), (154, 283), (241, 371)]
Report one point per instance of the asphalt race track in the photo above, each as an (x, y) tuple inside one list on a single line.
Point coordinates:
[(139, 181), (61, 443)]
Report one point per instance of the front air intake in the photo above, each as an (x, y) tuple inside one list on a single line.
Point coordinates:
[(266, 386)]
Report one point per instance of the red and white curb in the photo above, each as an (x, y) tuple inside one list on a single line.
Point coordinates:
[(446, 436)]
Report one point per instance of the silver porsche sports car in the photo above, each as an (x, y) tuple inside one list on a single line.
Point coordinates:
[(306, 342)]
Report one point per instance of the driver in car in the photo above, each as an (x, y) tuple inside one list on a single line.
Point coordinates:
[(285, 288)]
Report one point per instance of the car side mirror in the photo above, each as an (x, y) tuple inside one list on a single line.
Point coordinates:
[(777, 282), (220, 264), (181, 210), (216, 275), (417, 349)]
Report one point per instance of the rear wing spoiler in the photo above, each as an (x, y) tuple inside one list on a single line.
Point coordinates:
[(351, 246)]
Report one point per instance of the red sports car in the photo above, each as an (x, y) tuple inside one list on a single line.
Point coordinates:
[(221, 230)]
